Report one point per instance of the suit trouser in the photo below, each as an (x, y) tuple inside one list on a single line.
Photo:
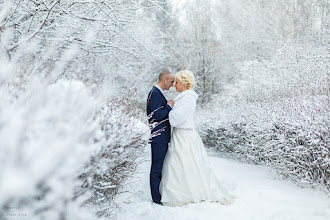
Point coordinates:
[(158, 152)]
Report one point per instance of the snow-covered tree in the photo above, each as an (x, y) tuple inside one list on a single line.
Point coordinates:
[(200, 46), (85, 40)]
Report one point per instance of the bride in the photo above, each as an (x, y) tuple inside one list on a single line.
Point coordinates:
[(187, 176)]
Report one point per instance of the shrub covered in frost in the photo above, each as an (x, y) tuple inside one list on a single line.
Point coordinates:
[(122, 138), (278, 115), (298, 148), (55, 141), (45, 139)]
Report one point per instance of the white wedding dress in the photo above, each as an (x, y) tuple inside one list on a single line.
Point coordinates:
[(187, 176)]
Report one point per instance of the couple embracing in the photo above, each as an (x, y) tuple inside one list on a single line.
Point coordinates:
[(180, 171)]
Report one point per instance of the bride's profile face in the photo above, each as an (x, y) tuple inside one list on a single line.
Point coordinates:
[(178, 85)]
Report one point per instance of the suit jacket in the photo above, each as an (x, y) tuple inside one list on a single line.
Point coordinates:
[(158, 104)]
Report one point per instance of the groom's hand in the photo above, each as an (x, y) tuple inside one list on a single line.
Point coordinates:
[(170, 102)]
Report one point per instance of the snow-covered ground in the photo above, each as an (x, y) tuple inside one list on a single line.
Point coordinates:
[(259, 195)]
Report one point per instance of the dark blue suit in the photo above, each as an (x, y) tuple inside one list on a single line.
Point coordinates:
[(158, 104)]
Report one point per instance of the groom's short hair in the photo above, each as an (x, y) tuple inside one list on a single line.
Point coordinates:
[(164, 74)]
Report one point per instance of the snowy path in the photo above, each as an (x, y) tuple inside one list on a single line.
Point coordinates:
[(259, 196)]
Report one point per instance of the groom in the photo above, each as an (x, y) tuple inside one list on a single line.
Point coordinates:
[(159, 107)]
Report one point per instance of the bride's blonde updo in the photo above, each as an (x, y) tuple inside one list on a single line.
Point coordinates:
[(187, 78)]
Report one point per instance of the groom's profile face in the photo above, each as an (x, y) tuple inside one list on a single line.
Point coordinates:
[(169, 82)]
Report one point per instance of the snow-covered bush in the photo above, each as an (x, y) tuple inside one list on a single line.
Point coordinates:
[(55, 141), (58, 144), (278, 115), (45, 139), (122, 138), (297, 148)]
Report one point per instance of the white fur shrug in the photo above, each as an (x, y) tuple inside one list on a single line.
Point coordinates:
[(182, 114)]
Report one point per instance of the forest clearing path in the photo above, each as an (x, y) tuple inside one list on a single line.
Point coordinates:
[(260, 194)]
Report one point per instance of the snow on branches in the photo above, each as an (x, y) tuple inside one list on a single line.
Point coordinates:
[(278, 114), (59, 150)]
